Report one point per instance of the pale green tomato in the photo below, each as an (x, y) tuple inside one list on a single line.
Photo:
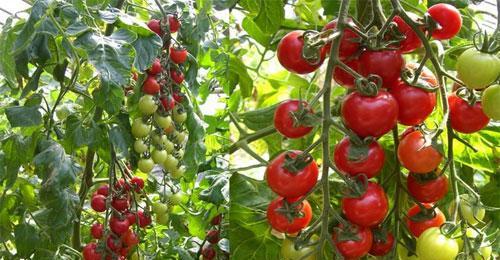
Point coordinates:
[(179, 115), (146, 165), (477, 69), (489, 100), (159, 156), (289, 252), (159, 208), (140, 146), (147, 105), (178, 172), (471, 210), (163, 219), (177, 198), (180, 137), (63, 111), (168, 145), (163, 121), (170, 163), (139, 128), (432, 245), (484, 251), (157, 139), (403, 254)]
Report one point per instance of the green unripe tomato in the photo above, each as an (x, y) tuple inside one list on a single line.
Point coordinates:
[(139, 128), (485, 249), (470, 209), (403, 253), (147, 105), (63, 111), (146, 165), (163, 219), (168, 145), (159, 208), (289, 252), (159, 156), (180, 137), (179, 115), (140, 146), (432, 245), (177, 198), (477, 69), (163, 121), (170, 163), (489, 100), (178, 172)]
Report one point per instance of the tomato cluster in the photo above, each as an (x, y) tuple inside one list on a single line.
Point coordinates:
[(117, 240), (208, 251)]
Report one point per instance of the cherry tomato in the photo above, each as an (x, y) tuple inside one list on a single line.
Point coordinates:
[(381, 247), (97, 230), (178, 55), (489, 101), (159, 156), (150, 86), (146, 165), (114, 244), (418, 227), (465, 118), (168, 103), (173, 23), (289, 252), (208, 252), (119, 226), (159, 208), (130, 238), (370, 116), (162, 219), (98, 203), (471, 210), (213, 236), (147, 105), (448, 18), (89, 252), (216, 220), (355, 248), (155, 67), (432, 245), (427, 191), (385, 63), (122, 185), (177, 76), (342, 77), (281, 223), (130, 217), (290, 184), (178, 97), (103, 190), (484, 252), (170, 163), (478, 69), (179, 115), (411, 41), (139, 129), (416, 157), (120, 204), (415, 104), (154, 25), (144, 219), (284, 119), (137, 183), (370, 165), (368, 210), (349, 44), (289, 54)]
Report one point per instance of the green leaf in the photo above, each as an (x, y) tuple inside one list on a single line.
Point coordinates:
[(7, 62), (27, 239), (231, 71), (195, 146), (485, 142), (146, 49), (20, 116), (248, 228), (220, 5), (270, 16), (109, 96), (121, 140), (17, 150), (25, 37), (33, 82), (218, 190), (77, 28), (258, 119), (255, 32)]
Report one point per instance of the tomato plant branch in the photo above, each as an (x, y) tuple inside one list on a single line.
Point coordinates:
[(250, 138)]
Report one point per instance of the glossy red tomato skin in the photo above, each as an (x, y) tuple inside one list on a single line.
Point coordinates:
[(118, 226), (173, 23), (289, 54), (103, 190), (355, 249), (387, 64), (131, 217), (343, 78), (349, 44), (280, 222), (411, 42), (178, 56), (370, 116), (448, 17), (98, 203), (155, 67), (415, 158), (90, 252), (138, 183), (415, 104), (417, 228), (465, 118), (114, 244), (177, 76), (287, 184), (368, 210), (151, 86), (97, 230), (122, 185), (130, 238), (154, 25), (381, 248), (370, 165), (284, 122), (120, 204), (168, 103), (143, 219), (428, 191)]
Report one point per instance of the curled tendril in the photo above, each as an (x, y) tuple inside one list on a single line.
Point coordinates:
[(369, 86)]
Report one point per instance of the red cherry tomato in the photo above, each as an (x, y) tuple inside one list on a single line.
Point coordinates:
[(216, 220), (343, 78), (281, 223), (369, 165), (349, 44), (385, 63), (155, 67), (154, 25), (173, 23), (370, 116), (465, 118), (355, 249), (103, 190), (138, 183), (97, 230), (368, 210), (418, 227), (144, 219), (448, 18), (168, 103), (382, 247), (122, 185), (114, 244), (118, 226), (289, 54), (130, 238), (98, 203), (130, 217), (284, 121), (178, 55), (415, 104), (90, 252), (427, 191), (411, 41), (208, 252), (150, 86), (291, 184), (177, 76), (120, 204), (415, 157), (213, 236), (178, 97), (135, 76)]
